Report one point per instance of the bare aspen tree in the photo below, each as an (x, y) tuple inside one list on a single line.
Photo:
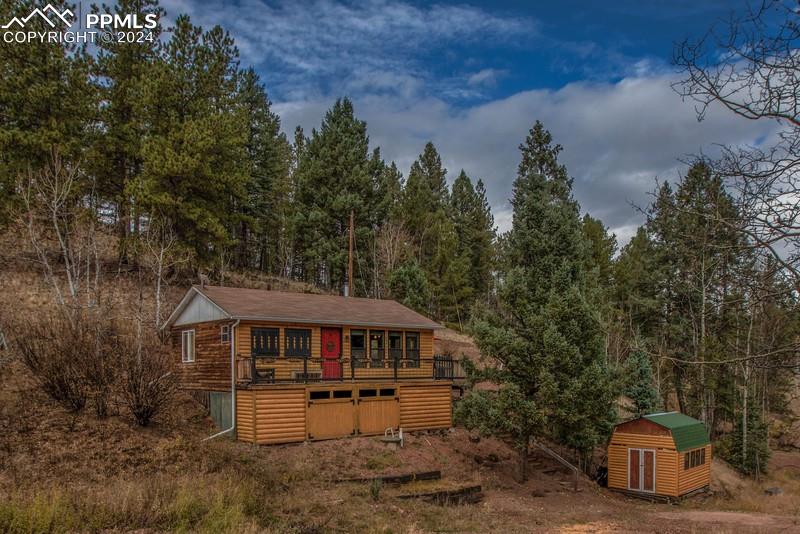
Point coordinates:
[(751, 67)]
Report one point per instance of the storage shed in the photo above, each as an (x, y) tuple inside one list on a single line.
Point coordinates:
[(660, 455)]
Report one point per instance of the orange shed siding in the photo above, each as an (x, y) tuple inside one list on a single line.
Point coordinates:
[(696, 477), (671, 479), (666, 460)]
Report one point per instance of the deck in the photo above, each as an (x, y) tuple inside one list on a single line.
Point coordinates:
[(259, 370)]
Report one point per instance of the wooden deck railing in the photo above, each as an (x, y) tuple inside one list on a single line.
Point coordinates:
[(282, 370)]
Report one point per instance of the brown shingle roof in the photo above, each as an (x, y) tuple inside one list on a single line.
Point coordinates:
[(279, 306)]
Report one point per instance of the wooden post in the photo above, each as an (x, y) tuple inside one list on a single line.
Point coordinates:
[(350, 288)]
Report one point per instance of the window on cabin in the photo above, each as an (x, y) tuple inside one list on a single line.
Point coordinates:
[(298, 342), (376, 348), (264, 342), (358, 347), (225, 333), (187, 346), (694, 458), (412, 349), (395, 346)]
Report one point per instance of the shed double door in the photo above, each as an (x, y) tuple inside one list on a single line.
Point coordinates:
[(642, 470)]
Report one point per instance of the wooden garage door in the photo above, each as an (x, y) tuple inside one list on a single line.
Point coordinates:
[(378, 409), (330, 414)]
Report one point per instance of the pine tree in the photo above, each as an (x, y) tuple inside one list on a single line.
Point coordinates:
[(545, 330), (267, 212), (637, 277), (195, 165), (117, 161), (424, 204), (474, 229), (336, 176), (602, 248), (747, 447), (640, 387), (409, 286), (46, 100)]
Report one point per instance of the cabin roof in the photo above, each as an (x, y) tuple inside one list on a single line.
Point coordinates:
[(279, 306), (687, 432)]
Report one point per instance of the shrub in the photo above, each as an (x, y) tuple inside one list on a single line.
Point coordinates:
[(53, 349), (148, 383)]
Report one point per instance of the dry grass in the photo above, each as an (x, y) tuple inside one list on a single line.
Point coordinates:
[(750, 496)]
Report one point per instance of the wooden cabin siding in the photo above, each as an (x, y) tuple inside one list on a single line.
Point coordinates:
[(280, 415), (245, 416), (695, 477), (426, 406), (285, 367), (211, 370)]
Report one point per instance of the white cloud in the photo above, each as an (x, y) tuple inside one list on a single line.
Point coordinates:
[(487, 77), (308, 49), (617, 138)]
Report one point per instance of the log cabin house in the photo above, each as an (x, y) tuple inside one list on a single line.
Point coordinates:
[(286, 367), (664, 455)]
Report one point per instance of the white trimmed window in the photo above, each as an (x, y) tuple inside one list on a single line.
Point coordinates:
[(187, 346), (225, 333)]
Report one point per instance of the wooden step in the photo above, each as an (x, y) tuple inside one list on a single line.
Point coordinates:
[(465, 495)]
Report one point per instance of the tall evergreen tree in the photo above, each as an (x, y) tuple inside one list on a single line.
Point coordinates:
[(545, 330), (474, 229), (117, 161), (194, 166), (46, 100), (639, 386), (336, 176), (424, 202), (267, 213)]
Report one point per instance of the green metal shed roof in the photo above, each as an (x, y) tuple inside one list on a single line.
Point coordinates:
[(687, 432)]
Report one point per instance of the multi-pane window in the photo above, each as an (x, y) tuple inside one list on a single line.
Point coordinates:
[(376, 348), (298, 342), (187, 346), (225, 333), (412, 349), (358, 347), (264, 342), (395, 346), (694, 458)]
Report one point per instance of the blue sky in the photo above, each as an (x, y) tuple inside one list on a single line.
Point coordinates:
[(474, 77)]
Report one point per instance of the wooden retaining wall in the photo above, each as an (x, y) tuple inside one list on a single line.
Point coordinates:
[(293, 413)]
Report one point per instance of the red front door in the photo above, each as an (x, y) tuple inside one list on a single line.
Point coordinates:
[(331, 353)]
